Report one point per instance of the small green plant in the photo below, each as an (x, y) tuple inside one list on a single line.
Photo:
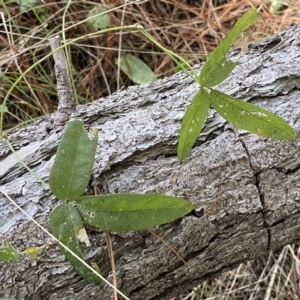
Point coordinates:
[(9, 253), (239, 113), (68, 180)]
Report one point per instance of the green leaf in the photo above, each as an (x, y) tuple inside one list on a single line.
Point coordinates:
[(29, 4), (8, 252), (192, 123), (250, 117), (277, 5), (98, 19), (216, 68), (65, 222), (33, 252), (136, 69), (222, 72), (36, 6), (73, 163), (129, 212)]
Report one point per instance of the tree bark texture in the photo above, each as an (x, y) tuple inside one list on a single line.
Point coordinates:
[(245, 188)]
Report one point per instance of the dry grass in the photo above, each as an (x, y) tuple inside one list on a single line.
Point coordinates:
[(191, 29), (274, 277)]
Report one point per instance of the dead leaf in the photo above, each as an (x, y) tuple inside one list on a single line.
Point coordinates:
[(83, 237)]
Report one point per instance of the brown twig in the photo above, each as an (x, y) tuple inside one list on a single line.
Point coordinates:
[(64, 89), (167, 244), (112, 263)]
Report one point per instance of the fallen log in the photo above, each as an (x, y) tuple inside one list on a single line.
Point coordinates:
[(245, 188)]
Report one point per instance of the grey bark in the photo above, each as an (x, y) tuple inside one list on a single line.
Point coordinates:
[(245, 188)]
